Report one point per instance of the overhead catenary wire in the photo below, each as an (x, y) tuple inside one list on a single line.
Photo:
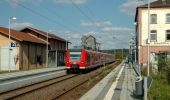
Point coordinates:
[(59, 16), (84, 14), (45, 17), (90, 11)]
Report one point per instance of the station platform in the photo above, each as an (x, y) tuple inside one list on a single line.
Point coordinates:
[(117, 85), (10, 75), (14, 80)]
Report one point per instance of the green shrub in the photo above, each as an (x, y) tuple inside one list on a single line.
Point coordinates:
[(162, 61), (168, 74), (160, 88)]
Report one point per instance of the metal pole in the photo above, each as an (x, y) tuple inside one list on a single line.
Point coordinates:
[(131, 52), (148, 69), (56, 58), (9, 63), (47, 51), (139, 59), (66, 44), (114, 54), (122, 53), (135, 55), (145, 88)]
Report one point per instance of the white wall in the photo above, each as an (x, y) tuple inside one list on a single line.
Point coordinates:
[(161, 26), (4, 59)]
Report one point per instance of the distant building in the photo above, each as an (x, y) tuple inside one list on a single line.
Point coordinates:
[(159, 29), (27, 51), (89, 42)]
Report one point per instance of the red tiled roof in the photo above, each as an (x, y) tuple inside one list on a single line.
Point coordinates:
[(20, 36), (50, 35), (157, 4)]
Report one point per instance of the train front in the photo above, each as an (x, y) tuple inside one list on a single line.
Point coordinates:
[(74, 60)]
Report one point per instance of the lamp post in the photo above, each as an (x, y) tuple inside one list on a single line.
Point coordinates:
[(148, 71), (66, 44), (131, 50), (148, 51), (115, 48), (122, 54), (133, 43), (9, 44), (47, 51)]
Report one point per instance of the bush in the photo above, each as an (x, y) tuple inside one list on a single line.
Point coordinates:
[(168, 74), (162, 63)]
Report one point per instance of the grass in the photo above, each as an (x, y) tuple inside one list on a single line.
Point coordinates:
[(160, 89)]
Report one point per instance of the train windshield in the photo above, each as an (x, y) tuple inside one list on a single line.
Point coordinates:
[(75, 56)]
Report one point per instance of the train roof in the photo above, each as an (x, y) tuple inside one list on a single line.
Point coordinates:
[(75, 50)]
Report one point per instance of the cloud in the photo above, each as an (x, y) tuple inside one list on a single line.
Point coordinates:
[(95, 24), (116, 29), (129, 7), (108, 35), (112, 41), (14, 3), (107, 40), (89, 33), (78, 2), (19, 26), (76, 36), (105, 26)]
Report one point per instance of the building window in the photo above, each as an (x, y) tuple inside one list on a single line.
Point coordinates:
[(168, 18), (168, 35), (153, 35), (153, 18)]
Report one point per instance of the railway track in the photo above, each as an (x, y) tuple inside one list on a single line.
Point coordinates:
[(73, 88), (53, 88), (65, 93), (28, 89), (77, 86)]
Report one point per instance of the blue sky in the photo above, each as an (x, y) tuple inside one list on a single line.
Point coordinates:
[(110, 21)]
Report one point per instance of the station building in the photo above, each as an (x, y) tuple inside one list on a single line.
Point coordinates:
[(29, 49), (26, 52), (159, 30), (57, 45)]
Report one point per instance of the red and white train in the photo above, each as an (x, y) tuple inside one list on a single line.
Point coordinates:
[(81, 59)]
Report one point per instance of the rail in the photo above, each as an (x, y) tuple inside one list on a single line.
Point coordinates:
[(24, 90)]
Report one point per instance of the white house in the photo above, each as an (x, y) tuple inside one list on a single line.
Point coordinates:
[(159, 31)]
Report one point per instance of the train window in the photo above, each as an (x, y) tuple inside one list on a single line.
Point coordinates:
[(75, 56), (91, 58), (88, 58)]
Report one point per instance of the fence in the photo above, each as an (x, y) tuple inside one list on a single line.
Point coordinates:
[(8, 58)]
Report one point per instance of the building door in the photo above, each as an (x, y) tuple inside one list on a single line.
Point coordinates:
[(8, 58)]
